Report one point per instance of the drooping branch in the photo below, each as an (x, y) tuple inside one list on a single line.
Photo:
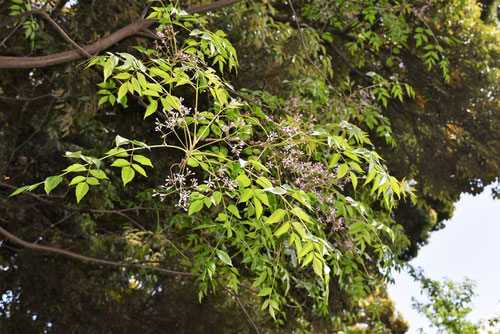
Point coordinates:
[(32, 245), (80, 257), (238, 300), (136, 28)]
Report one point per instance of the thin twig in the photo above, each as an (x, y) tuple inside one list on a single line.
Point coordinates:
[(304, 45), (13, 31), (61, 31), (53, 225), (25, 98), (32, 134), (243, 309)]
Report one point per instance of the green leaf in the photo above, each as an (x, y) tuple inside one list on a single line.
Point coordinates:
[(216, 130), (142, 160), (77, 179), (342, 170), (19, 190), (119, 140), (139, 169), (283, 229), (191, 161), (299, 228), (318, 266), (34, 186), (122, 76), (118, 152), (221, 217), (151, 108), (217, 196), (246, 195), (354, 180), (51, 182), (195, 206), (103, 100), (264, 182), (224, 257), (234, 210), (76, 154), (265, 292), (142, 80), (92, 181), (135, 85), (370, 176), (258, 207), (258, 165), (262, 196), (108, 68), (127, 175), (81, 190), (276, 216), (276, 190), (203, 131), (243, 180), (75, 168), (306, 250), (98, 174), (308, 259), (171, 101), (334, 160), (158, 72), (120, 163), (301, 214)]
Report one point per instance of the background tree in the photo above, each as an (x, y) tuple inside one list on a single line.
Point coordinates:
[(325, 70)]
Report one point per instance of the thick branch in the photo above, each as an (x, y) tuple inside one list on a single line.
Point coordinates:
[(135, 28), (86, 258), (80, 257)]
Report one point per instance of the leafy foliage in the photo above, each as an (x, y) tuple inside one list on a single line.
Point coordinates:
[(253, 175), (448, 304)]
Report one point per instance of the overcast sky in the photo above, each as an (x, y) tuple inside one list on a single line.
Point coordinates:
[(469, 246)]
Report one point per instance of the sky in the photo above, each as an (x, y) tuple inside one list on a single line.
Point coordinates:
[(469, 246)]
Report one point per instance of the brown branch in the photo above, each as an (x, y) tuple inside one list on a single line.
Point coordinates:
[(305, 47), (211, 6), (33, 134), (84, 258), (87, 258), (135, 28), (53, 225), (243, 309), (61, 31), (13, 31), (25, 98)]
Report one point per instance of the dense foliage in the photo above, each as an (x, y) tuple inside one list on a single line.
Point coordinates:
[(448, 304), (281, 157)]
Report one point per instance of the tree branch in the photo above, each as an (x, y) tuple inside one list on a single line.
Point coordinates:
[(243, 309), (61, 31), (86, 258), (135, 28), (305, 47)]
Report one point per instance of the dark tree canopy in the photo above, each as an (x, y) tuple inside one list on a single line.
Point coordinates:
[(234, 166)]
